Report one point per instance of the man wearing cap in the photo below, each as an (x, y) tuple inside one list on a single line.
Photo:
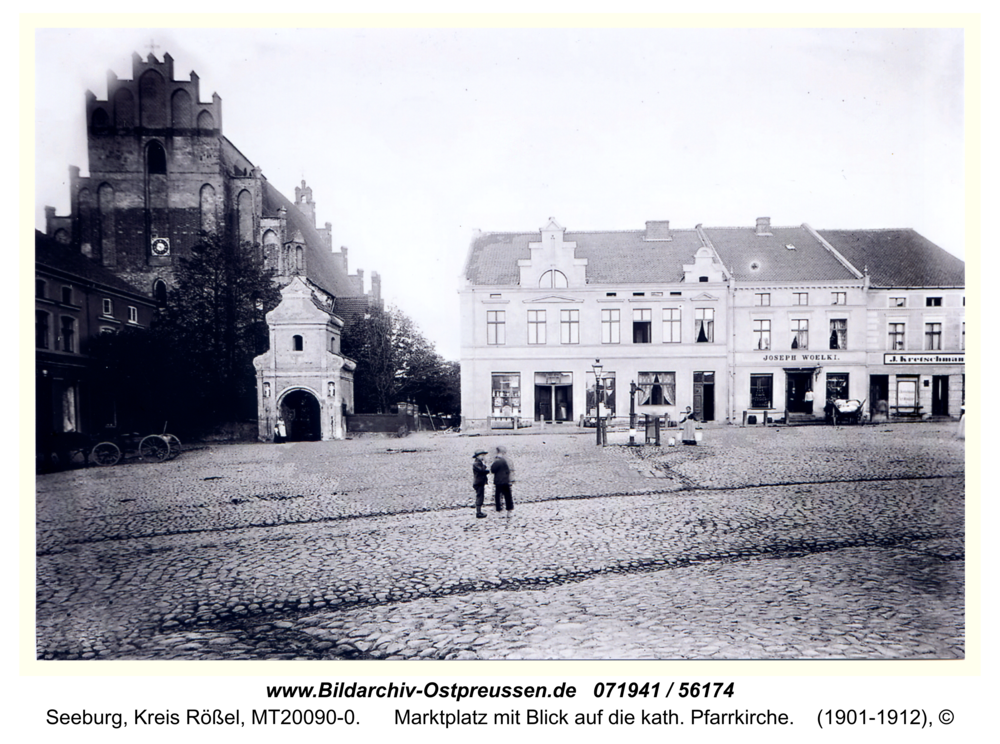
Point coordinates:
[(480, 474)]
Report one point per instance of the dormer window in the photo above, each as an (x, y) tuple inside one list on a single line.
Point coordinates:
[(553, 279)]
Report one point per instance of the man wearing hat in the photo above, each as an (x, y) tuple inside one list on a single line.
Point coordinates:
[(480, 475)]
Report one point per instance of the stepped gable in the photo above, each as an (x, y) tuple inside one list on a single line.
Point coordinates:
[(898, 257), (764, 255), (322, 267), (613, 257)]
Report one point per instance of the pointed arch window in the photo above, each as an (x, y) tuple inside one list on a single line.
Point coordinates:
[(156, 158)]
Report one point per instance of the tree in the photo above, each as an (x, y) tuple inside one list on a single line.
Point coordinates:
[(396, 363)]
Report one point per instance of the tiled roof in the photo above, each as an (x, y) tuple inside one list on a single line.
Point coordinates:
[(612, 257), (898, 258), (53, 255), (322, 267), (767, 258)]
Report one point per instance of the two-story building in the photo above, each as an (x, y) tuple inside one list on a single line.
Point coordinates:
[(767, 321)]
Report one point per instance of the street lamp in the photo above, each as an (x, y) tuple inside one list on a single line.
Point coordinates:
[(597, 389)]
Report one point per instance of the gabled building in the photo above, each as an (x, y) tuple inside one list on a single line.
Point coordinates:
[(162, 177), (763, 321)]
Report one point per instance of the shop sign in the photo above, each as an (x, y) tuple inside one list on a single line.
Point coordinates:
[(553, 378), (801, 357), (924, 359)]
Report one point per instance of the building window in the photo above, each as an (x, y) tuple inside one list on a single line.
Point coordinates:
[(67, 334), (762, 299), (933, 302), (41, 329), (553, 280), (838, 334), (800, 298), (897, 336), (133, 314), (334, 346), (932, 336), (642, 326), (897, 302), (495, 328), (762, 334), (536, 326), (506, 394), (569, 326), (297, 344), (40, 288), (760, 391), (704, 325), (839, 298), (671, 325), (800, 333), (610, 326), (656, 389), (962, 340), (837, 387), (67, 295), (107, 308)]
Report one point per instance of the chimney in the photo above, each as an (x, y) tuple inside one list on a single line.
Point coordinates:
[(764, 226), (658, 230)]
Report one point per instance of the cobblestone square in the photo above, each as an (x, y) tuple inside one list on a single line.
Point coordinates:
[(760, 543)]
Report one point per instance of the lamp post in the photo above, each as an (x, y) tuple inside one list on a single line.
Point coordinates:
[(597, 395), (631, 414)]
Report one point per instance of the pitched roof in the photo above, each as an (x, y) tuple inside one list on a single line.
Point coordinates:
[(322, 267), (56, 256), (613, 257), (898, 257), (762, 258)]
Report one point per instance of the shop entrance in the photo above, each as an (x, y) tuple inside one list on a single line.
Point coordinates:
[(939, 395), (797, 384), (878, 392), (704, 396), (553, 396), (300, 410)]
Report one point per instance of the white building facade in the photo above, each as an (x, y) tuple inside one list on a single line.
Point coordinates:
[(762, 321)]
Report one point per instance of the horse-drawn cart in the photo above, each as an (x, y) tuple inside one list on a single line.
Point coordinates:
[(157, 447)]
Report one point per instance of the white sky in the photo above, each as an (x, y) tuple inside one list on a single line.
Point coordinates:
[(412, 138)]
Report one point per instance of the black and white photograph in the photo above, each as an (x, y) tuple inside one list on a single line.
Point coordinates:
[(500, 344)]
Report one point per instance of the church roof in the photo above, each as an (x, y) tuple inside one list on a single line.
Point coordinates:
[(898, 258), (322, 267)]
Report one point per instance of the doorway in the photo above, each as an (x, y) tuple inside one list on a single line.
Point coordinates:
[(553, 396), (939, 395), (704, 396), (300, 410), (797, 384)]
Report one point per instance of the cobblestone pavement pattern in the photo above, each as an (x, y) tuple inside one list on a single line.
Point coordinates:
[(813, 542)]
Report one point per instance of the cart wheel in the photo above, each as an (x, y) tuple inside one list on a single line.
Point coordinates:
[(154, 447), (175, 445), (107, 453)]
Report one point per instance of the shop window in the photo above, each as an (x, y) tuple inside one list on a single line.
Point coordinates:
[(897, 336), (496, 325), (41, 329), (297, 344), (656, 389), (762, 334), (932, 336), (762, 299), (906, 391), (536, 326), (607, 394), (610, 326), (838, 333), (569, 326), (933, 302), (506, 391), (839, 298), (642, 326), (837, 385), (761, 387), (800, 298), (67, 334), (800, 333), (672, 325), (704, 325)]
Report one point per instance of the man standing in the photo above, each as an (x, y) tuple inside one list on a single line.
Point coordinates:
[(503, 476), (480, 475)]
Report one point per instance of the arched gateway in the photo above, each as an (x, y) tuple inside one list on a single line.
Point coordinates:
[(300, 411)]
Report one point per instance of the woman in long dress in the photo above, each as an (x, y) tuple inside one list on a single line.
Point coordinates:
[(687, 427)]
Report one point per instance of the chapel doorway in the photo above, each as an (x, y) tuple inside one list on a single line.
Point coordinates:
[(300, 410)]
